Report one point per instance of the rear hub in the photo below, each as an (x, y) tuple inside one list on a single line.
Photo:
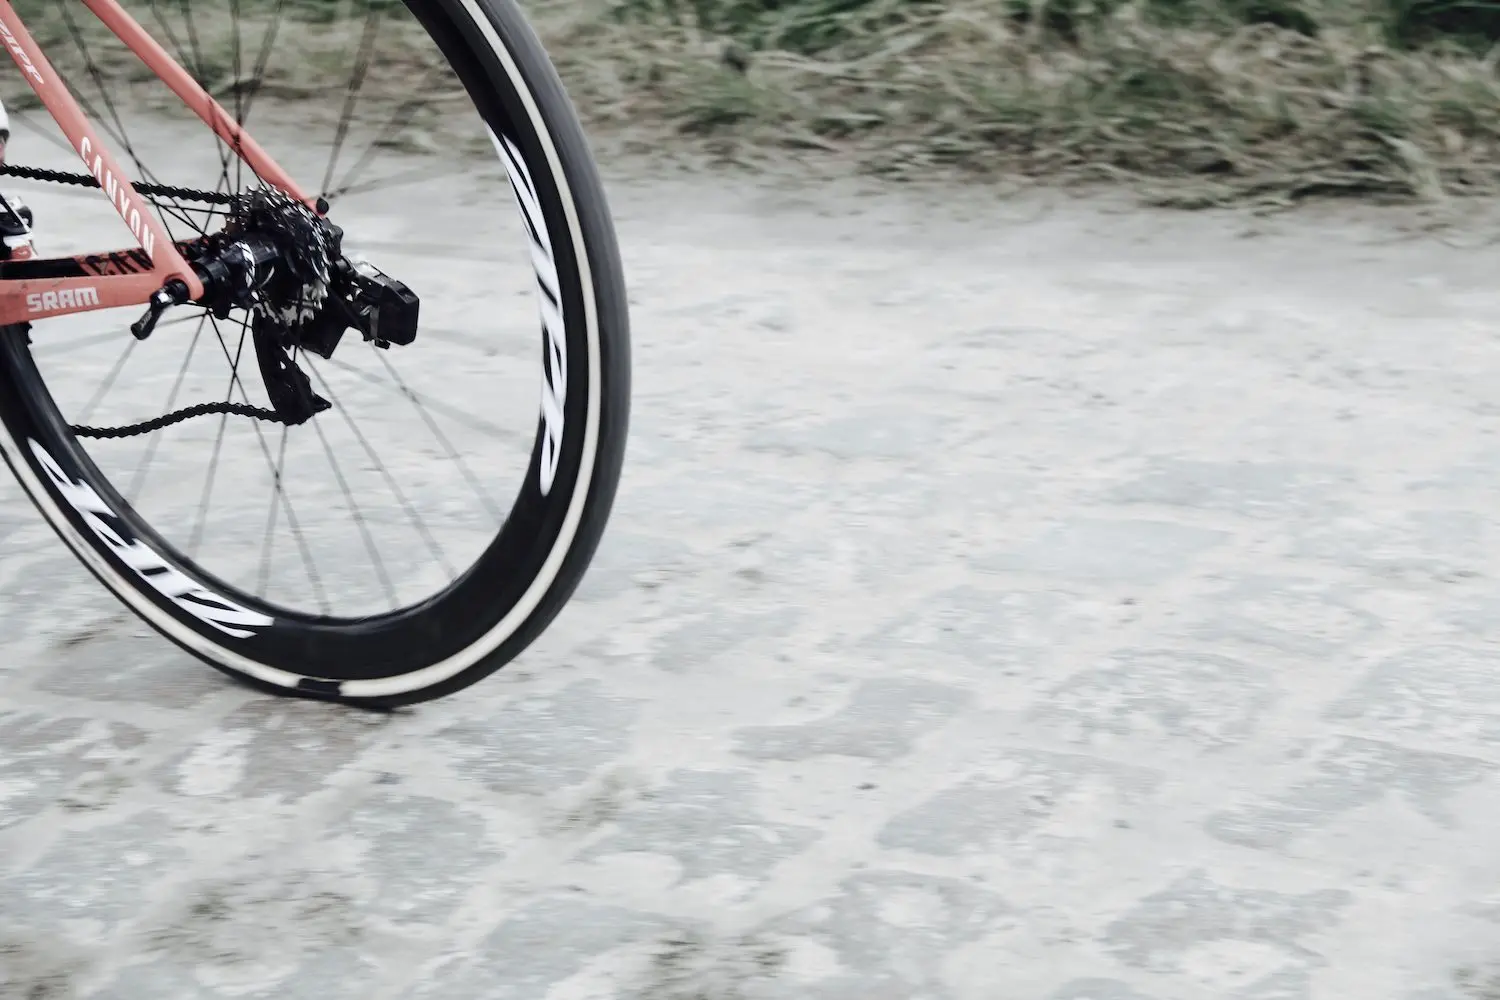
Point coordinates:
[(285, 265)]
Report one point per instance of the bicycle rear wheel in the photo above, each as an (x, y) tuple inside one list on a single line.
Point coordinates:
[(323, 559)]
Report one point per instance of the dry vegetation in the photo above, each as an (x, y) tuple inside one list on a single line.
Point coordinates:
[(1199, 102)]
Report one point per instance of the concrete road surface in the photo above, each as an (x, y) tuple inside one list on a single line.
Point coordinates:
[(1006, 599)]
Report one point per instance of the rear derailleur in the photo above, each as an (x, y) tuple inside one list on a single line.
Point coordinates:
[(285, 265)]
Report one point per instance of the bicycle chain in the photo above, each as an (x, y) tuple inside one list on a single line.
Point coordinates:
[(89, 180), (177, 417), (164, 191)]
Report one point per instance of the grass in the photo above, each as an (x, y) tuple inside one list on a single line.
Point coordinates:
[(1196, 102), (1199, 102)]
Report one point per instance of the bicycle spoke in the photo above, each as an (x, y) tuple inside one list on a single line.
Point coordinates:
[(390, 480), (286, 502), (178, 52), (194, 68), (356, 84), (118, 132), (48, 134), (173, 209), (405, 113), (199, 522), (268, 539), (262, 62), (51, 347), (413, 176), (436, 405), (358, 515), (195, 539), (437, 432), (109, 381), (201, 77), (239, 97), (139, 479)]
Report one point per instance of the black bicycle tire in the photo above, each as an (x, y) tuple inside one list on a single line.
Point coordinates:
[(527, 106)]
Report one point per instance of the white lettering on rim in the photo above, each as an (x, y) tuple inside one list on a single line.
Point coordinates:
[(207, 607), (555, 356)]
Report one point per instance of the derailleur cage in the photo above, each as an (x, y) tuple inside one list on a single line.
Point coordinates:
[(287, 386)]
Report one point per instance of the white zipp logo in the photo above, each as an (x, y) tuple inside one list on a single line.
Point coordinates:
[(207, 607), (555, 355), (116, 192), (66, 298)]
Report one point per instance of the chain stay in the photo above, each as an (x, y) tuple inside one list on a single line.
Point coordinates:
[(161, 191)]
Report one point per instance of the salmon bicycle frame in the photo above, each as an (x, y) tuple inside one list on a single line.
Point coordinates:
[(41, 288)]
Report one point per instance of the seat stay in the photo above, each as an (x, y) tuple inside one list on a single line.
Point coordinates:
[(24, 296)]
